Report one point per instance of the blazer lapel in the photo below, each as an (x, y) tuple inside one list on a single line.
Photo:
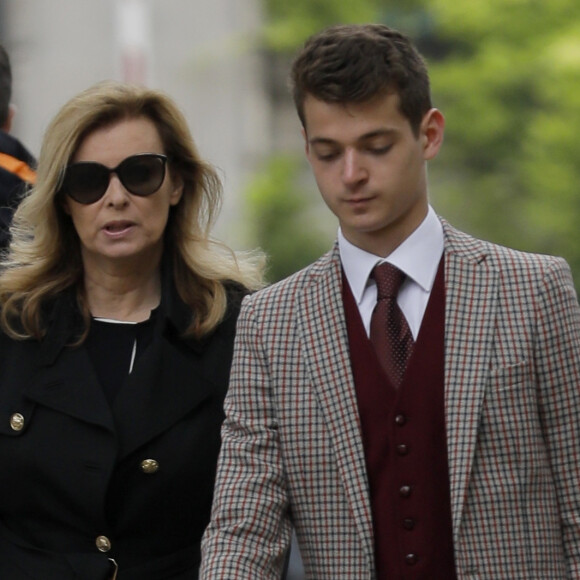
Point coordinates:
[(471, 288), (324, 334)]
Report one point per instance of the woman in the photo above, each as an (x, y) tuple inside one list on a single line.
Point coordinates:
[(117, 325)]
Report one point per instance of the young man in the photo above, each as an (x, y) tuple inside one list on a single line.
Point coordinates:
[(459, 458), (16, 163)]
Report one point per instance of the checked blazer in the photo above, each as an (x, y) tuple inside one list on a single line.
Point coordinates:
[(292, 454)]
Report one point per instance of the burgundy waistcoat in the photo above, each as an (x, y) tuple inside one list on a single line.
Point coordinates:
[(405, 447)]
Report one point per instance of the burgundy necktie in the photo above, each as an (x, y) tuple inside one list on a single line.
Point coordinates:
[(390, 333)]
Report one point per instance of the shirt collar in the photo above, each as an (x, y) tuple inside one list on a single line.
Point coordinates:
[(418, 257)]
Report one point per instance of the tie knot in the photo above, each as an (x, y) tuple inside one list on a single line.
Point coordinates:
[(389, 279)]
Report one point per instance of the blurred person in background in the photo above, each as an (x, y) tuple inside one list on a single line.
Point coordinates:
[(16, 162), (410, 402), (117, 324)]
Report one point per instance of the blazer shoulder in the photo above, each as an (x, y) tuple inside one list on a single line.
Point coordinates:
[(460, 244), (290, 289)]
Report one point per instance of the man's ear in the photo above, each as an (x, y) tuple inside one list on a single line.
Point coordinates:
[(432, 131)]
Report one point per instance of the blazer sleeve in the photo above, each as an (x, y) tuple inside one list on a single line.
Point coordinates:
[(557, 358), (249, 534)]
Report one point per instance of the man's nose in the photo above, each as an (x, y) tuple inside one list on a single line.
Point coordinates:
[(354, 170)]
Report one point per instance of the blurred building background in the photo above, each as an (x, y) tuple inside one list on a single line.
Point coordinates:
[(202, 52)]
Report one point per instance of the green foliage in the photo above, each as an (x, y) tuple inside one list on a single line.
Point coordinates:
[(509, 90), (506, 74), (287, 225), (289, 23)]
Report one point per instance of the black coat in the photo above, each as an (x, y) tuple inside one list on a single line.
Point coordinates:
[(68, 458)]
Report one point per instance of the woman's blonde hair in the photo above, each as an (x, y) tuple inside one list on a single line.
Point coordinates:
[(44, 258)]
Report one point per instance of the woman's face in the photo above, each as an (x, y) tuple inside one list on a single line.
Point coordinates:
[(121, 227)]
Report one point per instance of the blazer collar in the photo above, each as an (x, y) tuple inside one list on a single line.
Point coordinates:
[(462, 245)]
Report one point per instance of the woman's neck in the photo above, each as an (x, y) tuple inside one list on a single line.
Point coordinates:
[(122, 294)]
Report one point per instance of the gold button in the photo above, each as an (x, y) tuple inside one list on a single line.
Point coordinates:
[(17, 422), (149, 466), (103, 543)]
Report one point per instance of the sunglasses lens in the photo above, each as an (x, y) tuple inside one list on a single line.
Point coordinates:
[(86, 182), (142, 174)]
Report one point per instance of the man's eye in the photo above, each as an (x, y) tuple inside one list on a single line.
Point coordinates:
[(326, 155), (379, 150)]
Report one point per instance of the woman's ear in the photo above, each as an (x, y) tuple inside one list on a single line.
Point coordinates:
[(177, 192), (65, 204)]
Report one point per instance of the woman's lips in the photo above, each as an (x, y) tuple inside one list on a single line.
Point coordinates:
[(118, 227)]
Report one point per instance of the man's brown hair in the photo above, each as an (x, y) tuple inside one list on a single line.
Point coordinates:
[(355, 63)]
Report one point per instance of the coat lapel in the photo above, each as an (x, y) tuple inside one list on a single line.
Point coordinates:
[(64, 379), (167, 384), (69, 385), (172, 377), (471, 287), (324, 333)]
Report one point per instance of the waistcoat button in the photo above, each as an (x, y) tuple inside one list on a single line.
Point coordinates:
[(400, 420), (408, 523), (405, 490), (402, 449), (411, 559)]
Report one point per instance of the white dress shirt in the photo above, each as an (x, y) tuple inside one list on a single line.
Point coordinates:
[(418, 257)]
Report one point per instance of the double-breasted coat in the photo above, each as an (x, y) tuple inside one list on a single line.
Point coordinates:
[(83, 481)]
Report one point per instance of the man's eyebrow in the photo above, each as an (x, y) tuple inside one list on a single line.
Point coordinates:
[(379, 133), (370, 135), (322, 141)]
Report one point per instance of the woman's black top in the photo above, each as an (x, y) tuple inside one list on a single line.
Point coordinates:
[(114, 346)]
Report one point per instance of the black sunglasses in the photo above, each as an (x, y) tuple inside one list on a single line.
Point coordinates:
[(87, 181)]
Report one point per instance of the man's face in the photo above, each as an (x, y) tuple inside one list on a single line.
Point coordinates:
[(370, 167)]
